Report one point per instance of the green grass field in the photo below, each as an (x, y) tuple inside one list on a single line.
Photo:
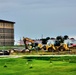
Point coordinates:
[(38, 66)]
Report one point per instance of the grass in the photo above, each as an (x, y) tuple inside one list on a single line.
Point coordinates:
[(38, 66)]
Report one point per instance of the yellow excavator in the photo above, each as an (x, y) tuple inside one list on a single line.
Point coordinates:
[(33, 44), (25, 40), (55, 46)]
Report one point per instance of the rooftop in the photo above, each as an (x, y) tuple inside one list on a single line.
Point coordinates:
[(6, 21)]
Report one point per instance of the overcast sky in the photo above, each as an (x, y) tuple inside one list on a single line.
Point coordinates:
[(35, 18)]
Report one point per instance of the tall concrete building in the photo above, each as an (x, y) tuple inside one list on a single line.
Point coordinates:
[(6, 33)]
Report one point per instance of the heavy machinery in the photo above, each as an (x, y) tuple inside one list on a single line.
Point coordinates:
[(25, 42), (56, 46), (44, 43), (32, 44), (47, 44), (71, 43)]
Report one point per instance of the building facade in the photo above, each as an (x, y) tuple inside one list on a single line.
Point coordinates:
[(6, 33)]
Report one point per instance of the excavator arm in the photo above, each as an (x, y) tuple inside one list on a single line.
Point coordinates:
[(25, 41)]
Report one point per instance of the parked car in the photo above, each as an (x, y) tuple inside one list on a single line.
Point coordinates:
[(4, 52)]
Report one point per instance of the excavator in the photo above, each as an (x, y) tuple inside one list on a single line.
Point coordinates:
[(57, 45), (25, 41), (32, 45)]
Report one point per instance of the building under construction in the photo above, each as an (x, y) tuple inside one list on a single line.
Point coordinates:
[(6, 33)]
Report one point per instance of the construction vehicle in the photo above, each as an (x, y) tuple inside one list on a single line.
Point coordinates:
[(53, 45), (25, 42), (71, 43), (32, 44), (56, 46), (44, 43)]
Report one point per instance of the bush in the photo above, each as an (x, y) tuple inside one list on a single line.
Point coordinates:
[(72, 61), (52, 58)]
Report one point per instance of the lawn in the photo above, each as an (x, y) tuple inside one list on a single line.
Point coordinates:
[(38, 66)]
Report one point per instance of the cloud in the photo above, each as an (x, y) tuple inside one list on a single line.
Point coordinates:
[(7, 5), (48, 17)]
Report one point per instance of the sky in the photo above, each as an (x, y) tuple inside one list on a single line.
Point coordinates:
[(35, 18)]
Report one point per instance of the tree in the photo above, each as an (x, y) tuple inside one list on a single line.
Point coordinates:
[(47, 38), (65, 37), (52, 38), (60, 38), (44, 40)]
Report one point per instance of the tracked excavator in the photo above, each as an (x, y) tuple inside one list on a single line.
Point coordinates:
[(32, 45), (55, 45), (25, 42)]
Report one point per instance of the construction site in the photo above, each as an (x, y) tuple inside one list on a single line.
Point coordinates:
[(44, 46), (58, 45)]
